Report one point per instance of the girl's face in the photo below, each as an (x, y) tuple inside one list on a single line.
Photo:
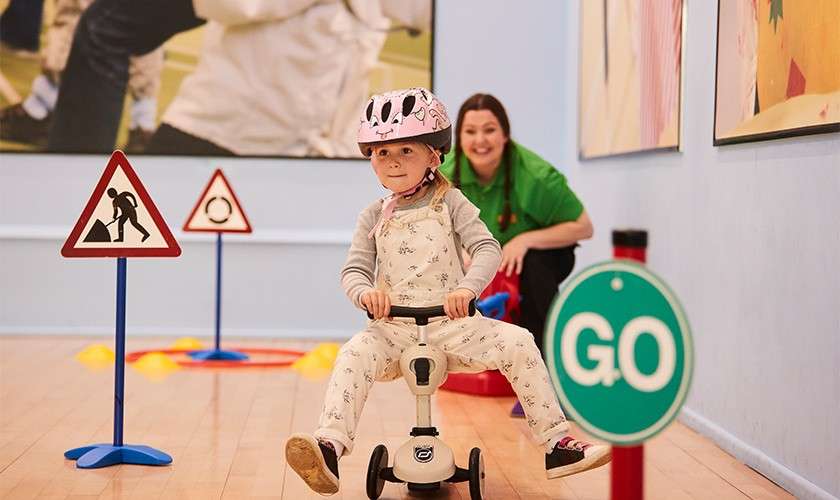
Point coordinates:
[(400, 165), (483, 141)]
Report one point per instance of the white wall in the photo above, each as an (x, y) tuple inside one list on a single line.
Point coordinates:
[(747, 236)]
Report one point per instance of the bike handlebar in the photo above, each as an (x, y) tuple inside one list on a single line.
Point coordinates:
[(421, 314)]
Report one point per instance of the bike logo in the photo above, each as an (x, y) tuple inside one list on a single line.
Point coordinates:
[(424, 454)]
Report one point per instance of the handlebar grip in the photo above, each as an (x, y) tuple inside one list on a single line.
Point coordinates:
[(421, 312)]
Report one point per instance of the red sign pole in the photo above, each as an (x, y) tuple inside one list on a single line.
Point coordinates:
[(627, 477)]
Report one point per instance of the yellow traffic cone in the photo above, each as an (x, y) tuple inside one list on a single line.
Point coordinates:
[(318, 362), (155, 366), (188, 343), (328, 351), (96, 356)]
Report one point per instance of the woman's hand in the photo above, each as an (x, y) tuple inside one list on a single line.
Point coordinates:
[(457, 304), (377, 303), (513, 254)]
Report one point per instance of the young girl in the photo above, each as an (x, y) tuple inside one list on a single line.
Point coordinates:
[(406, 251)]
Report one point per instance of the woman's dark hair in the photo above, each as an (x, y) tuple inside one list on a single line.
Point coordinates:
[(480, 102)]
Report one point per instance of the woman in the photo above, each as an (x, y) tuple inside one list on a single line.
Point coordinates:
[(524, 201)]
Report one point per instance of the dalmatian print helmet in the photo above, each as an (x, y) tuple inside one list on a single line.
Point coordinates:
[(408, 114)]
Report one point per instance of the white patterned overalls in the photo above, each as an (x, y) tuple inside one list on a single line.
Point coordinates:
[(417, 263)]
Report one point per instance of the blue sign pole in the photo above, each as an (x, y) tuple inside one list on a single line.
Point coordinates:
[(218, 290), (103, 455), (217, 353), (119, 364)]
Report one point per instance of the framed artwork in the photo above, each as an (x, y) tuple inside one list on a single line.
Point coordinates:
[(778, 69), (268, 81), (630, 76)]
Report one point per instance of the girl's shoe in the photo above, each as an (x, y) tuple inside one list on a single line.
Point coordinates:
[(315, 462), (571, 456)]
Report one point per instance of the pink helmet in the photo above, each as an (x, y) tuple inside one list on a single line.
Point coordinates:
[(408, 114)]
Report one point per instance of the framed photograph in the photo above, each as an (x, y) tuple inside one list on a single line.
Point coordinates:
[(630, 72), (778, 69), (253, 79)]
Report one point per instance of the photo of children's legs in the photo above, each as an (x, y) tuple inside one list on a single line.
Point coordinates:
[(29, 120)]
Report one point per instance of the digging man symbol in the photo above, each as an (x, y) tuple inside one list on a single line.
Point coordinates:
[(125, 203)]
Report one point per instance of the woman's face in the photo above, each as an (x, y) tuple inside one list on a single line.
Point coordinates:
[(483, 140), (400, 165)]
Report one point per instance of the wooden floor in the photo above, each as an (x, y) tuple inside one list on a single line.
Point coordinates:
[(225, 431)]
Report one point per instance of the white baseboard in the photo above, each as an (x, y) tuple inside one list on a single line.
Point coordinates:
[(240, 333), (755, 458)]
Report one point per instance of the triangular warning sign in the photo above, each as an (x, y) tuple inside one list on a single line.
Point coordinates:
[(218, 209), (120, 219)]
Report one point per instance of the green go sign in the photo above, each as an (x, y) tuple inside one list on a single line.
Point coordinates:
[(619, 352)]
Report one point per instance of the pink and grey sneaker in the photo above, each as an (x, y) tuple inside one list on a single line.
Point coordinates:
[(314, 461), (571, 456)]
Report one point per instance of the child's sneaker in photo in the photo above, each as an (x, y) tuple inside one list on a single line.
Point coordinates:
[(315, 462), (19, 126), (571, 456)]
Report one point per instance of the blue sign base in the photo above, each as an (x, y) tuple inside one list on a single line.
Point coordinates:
[(218, 354), (104, 455)]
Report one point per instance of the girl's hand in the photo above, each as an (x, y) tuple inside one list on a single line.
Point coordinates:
[(457, 304), (513, 254), (377, 303)]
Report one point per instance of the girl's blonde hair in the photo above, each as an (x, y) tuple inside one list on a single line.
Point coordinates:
[(441, 186)]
